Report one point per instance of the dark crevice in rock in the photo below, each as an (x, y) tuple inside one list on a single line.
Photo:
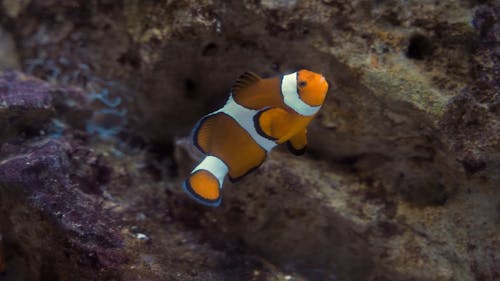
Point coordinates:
[(419, 47)]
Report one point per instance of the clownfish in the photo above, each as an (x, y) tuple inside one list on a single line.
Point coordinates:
[(258, 115)]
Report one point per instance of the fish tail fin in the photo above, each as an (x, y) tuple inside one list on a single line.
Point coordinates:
[(204, 184)]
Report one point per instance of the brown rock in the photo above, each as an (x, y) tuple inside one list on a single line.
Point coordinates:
[(401, 179)]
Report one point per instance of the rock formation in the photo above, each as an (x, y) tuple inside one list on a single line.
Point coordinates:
[(400, 181)]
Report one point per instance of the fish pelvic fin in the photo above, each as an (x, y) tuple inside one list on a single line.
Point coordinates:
[(298, 143)]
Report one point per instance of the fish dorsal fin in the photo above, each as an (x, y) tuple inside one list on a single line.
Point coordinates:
[(246, 79)]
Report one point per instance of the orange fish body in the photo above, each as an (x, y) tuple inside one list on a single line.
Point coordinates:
[(259, 114)]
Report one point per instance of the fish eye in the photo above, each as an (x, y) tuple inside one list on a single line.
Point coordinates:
[(302, 84)]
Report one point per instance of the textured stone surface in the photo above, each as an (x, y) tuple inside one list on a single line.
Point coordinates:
[(323, 222), (24, 102), (472, 123), (2, 257), (67, 215), (19, 91), (27, 104), (41, 186), (8, 54), (400, 182)]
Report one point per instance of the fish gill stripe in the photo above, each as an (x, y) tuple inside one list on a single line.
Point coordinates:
[(291, 96), (215, 166), (244, 117)]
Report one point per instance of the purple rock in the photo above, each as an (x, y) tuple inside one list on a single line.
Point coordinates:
[(471, 117), (486, 68), (487, 22), (24, 92), (43, 174), (27, 104)]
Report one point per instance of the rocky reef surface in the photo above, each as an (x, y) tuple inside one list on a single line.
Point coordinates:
[(400, 181)]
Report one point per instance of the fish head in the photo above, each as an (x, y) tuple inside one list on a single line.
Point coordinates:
[(312, 87)]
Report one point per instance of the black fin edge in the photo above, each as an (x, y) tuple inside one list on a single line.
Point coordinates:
[(188, 189), (257, 126), (194, 132), (295, 151), (233, 180)]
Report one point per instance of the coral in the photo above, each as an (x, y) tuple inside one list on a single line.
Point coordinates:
[(109, 121), (106, 122)]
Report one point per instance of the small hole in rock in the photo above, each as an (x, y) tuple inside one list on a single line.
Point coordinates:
[(419, 47), (130, 58), (473, 166), (209, 49), (190, 87)]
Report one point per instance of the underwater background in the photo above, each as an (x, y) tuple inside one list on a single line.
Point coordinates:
[(401, 180)]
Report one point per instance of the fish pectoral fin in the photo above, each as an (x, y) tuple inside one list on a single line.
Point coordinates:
[(246, 79), (272, 123), (298, 143)]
